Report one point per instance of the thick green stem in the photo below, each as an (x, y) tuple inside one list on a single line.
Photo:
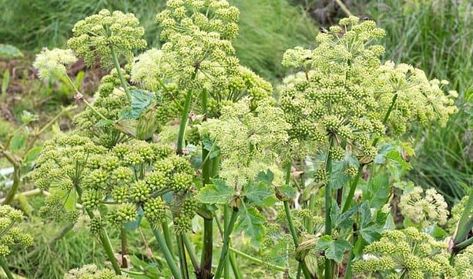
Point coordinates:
[(167, 254), (226, 219), (119, 72), (191, 252), (207, 249), (328, 206), (354, 184), (107, 246), (167, 236), (182, 257), (103, 236), (352, 189), (235, 268), (206, 259), (124, 244), (302, 265), (3, 264), (226, 241), (183, 123)]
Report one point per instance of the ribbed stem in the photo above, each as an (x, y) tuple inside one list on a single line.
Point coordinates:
[(207, 249), (124, 243), (235, 268), (302, 265), (354, 184), (182, 257), (191, 252), (226, 241), (119, 72), (183, 123), (167, 236), (104, 238), (328, 206), (167, 254)]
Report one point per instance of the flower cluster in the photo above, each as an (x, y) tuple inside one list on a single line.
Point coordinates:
[(197, 54), (11, 236), (408, 252), (424, 208), (105, 34), (464, 263), (249, 141), (342, 90), (130, 177), (92, 272), (52, 63), (110, 102)]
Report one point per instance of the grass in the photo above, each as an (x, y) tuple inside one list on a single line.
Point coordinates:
[(268, 27)]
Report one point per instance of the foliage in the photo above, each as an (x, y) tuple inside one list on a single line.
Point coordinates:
[(184, 143)]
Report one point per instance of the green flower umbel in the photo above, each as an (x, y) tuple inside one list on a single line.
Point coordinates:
[(97, 36), (11, 236)]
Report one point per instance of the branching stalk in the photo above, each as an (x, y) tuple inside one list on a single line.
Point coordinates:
[(191, 252), (182, 256), (119, 72), (167, 254), (354, 184), (328, 206), (226, 241)]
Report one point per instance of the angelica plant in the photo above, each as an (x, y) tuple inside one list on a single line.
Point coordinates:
[(184, 130), (342, 100)]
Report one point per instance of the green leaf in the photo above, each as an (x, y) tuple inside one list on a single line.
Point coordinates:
[(252, 223), (216, 193), (333, 249), (140, 101), (260, 192), (32, 154), (9, 52), (69, 197), (211, 146), (371, 233), (18, 141)]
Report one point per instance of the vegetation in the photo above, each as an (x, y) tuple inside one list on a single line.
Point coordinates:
[(208, 139)]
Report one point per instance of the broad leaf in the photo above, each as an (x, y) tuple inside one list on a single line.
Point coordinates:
[(333, 249), (252, 223), (261, 191), (140, 101), (216, 193)]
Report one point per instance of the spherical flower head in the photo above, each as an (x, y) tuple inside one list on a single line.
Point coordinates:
[(51, 64), (249, 140), (405, 251), (342, 89), (98, 36), (424, 208), (92, 272), (12, 236)]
